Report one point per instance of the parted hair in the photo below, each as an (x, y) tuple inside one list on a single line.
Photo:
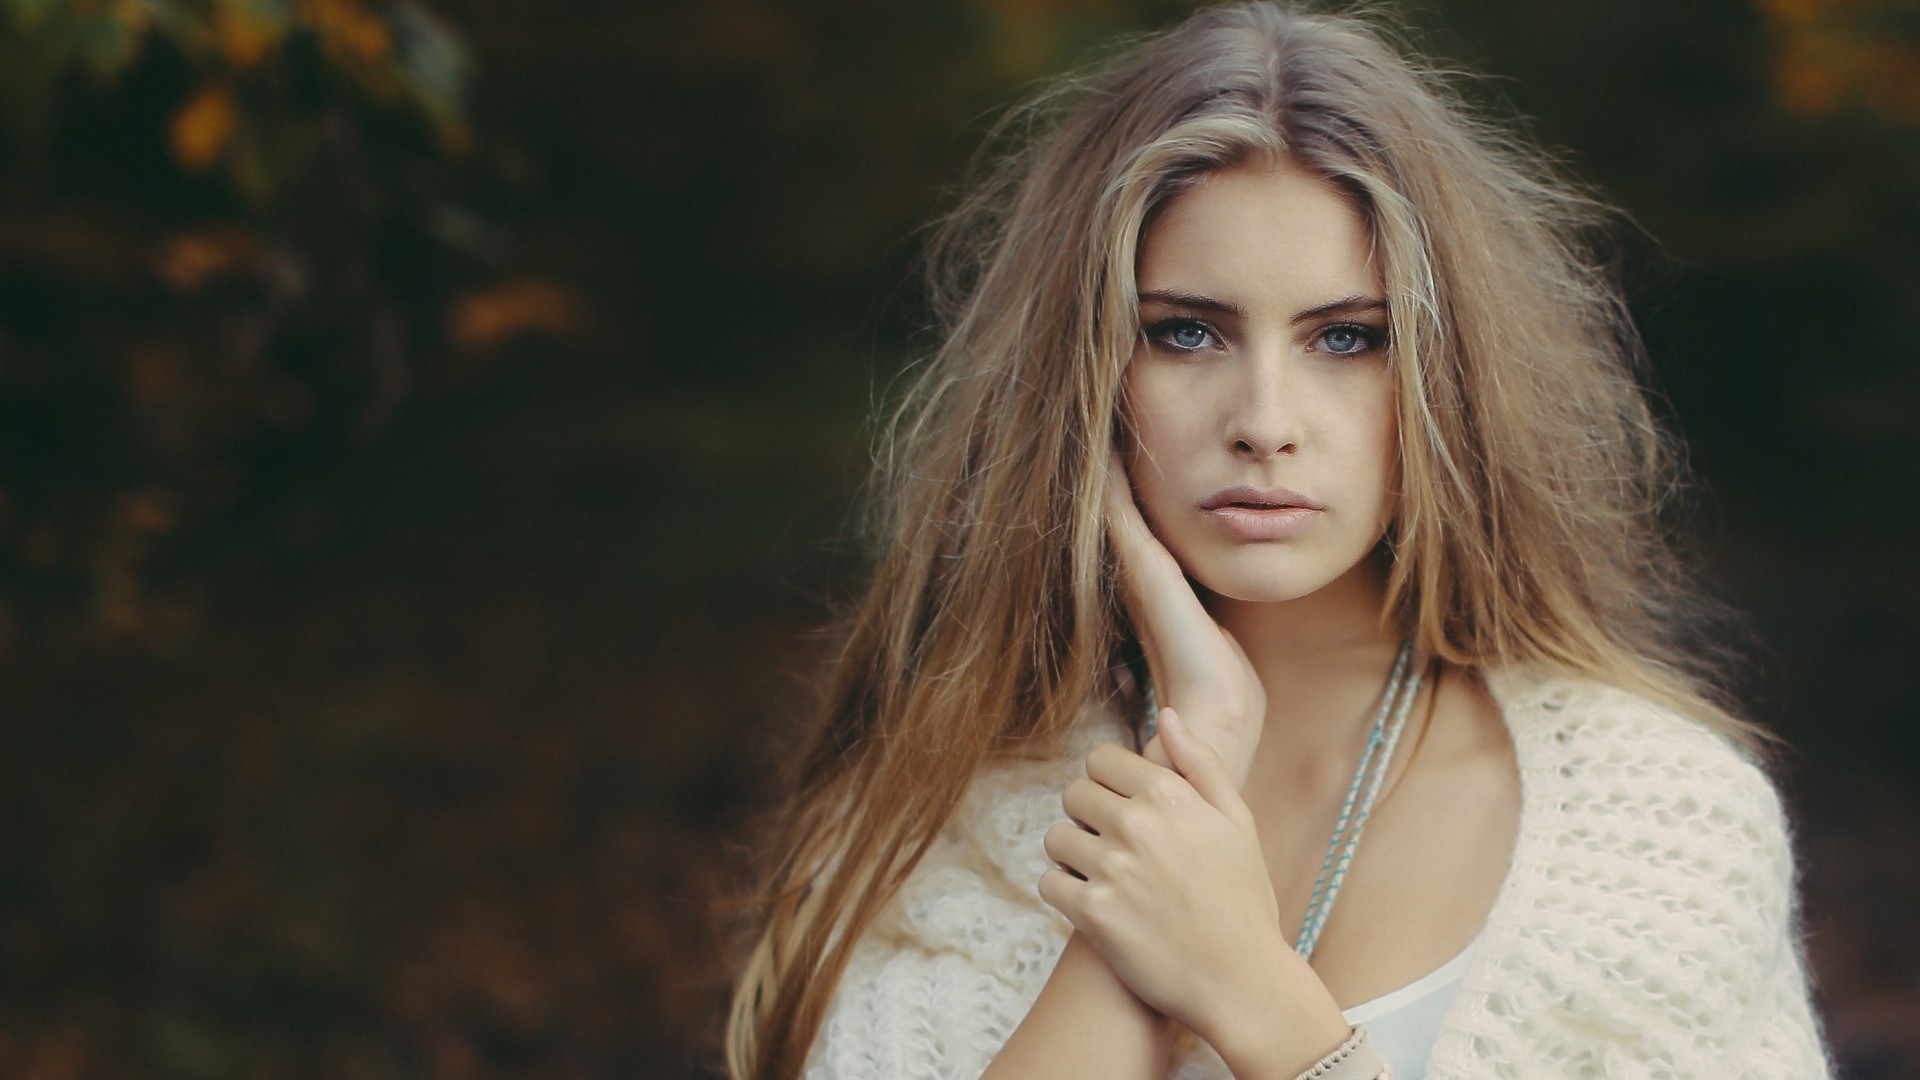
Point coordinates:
[(1537, 482)]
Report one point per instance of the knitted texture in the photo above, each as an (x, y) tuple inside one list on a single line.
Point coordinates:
[(1647, 925)]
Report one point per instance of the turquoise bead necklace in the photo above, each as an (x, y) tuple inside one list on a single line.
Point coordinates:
[(1385, 735), (1395, 703)]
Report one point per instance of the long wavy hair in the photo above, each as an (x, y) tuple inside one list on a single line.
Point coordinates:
[(1537, 481)]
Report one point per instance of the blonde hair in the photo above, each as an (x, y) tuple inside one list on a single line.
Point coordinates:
[(1534, 474)]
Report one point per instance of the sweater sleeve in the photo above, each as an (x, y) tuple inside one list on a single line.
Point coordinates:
[(1712, 893), (952, 964), (1780, 1036), (1654, 930)]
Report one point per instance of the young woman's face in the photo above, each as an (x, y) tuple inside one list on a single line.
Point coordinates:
[(1262, 363)]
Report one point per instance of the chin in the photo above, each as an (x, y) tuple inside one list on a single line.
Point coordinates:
[(1262, 583)]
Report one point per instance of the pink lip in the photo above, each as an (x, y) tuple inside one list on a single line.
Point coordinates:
[(1254, 498), (1252, 513), (1272, 523)]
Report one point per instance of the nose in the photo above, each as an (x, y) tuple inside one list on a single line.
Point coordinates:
[(1254, 447), (1265, 417)]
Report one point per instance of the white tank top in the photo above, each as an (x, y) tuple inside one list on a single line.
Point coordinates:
[(1403, 1024)]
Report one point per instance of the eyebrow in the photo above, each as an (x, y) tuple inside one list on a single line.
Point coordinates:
[(1346, 305)]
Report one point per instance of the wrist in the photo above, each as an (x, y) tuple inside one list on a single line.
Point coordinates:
[(1280, 1023)]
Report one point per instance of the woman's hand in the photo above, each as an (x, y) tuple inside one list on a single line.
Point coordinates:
[(1196, 665), (1169, 884)]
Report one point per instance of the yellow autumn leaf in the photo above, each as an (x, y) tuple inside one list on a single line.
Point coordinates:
[(134, 16), (203, 127), (366, 39), (244, 36), (1809, 82), (488, 316), (1831, 55), (347, 29)]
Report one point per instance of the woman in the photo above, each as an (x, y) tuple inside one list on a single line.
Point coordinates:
[(1281, 481)]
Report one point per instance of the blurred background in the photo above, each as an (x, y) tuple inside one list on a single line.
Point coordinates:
[(428, 435)]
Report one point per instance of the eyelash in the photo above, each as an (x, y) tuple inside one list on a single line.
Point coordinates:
[(1371, 339)]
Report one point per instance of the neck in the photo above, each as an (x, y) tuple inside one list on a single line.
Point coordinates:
[(1322, 658)]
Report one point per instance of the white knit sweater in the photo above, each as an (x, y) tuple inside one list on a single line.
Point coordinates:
[(1647, 926)]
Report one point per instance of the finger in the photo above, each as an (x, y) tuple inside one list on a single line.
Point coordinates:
[(1166, 614), (1066, 893), (1156, 752), (1144, 560), (1074, 848), (1124, 772), (1092, 804), (1195, 759)]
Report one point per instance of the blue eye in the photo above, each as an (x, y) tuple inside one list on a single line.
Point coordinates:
[(1350, 339), (1184, 335)]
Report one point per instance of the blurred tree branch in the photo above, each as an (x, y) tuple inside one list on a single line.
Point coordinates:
[(229, 232)]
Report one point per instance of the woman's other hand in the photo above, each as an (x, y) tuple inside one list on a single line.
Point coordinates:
[(1196, 665), (1168, 882)]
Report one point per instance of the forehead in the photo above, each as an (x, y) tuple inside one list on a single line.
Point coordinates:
[(1255, 231)]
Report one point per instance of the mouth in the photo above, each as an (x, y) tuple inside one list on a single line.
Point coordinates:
[(1245, 498)]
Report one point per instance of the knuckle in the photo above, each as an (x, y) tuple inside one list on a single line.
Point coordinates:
[(1049, 885), (1077, 790), (1096, 911), (1166, 789), (1054, 841)]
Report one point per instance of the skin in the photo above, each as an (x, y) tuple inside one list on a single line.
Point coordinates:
[(1185, 870)]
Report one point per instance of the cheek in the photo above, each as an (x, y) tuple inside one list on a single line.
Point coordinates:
[(1161, 427), (1160, 431)]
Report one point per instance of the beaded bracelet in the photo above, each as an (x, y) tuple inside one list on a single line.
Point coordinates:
[(1355, 1059)]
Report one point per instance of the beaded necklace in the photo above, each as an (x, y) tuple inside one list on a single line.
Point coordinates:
[(1397, 700)]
